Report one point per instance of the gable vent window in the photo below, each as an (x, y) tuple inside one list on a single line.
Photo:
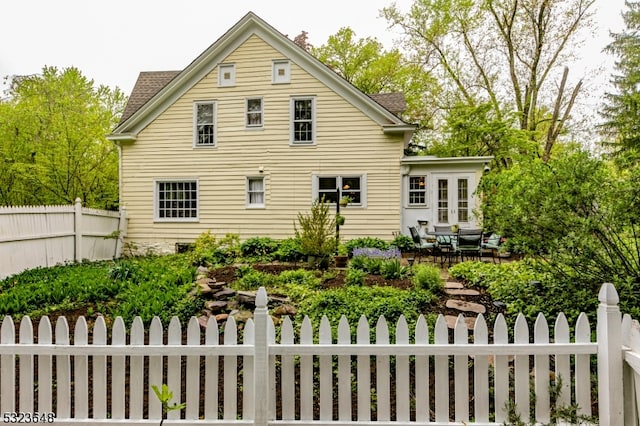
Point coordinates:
[(281, 72), (205, 124), (227, 75)]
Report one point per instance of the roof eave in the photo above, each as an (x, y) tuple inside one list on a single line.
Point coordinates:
[(430, 159), (399, 128), (121, 137)]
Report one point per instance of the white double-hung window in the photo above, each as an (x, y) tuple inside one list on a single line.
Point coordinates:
[(255, 192), (254, 111), (303, 120), (204, 124)]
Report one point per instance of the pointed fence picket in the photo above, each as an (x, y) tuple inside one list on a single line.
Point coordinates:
[(426, 375)]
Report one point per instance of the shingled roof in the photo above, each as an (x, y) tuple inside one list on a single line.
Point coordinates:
[(151, 82), (394, 102), (148, 84)]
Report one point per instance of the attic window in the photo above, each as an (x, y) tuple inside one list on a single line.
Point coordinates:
[(281, 72), (227, 75)]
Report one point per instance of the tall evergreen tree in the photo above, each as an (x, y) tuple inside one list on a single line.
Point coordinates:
[(622, 108)]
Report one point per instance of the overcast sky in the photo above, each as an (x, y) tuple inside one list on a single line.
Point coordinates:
[(112, 41)]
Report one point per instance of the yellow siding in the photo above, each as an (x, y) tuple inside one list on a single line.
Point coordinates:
[(348, 142)]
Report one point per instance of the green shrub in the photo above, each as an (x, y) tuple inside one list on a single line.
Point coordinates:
[(354, 277), (208, 251), (373, 265), (365, 242), (299, 276), (124, 270), (259, 247), (316, 233), (289, 250), (394, 269), (427, 277), (253, 280), (403, 242), (372, 302)]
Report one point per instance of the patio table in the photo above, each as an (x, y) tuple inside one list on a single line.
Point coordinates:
[(447, 250)]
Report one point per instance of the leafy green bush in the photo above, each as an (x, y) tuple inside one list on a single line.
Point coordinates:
[(289, 250), (253, 280), (373, 265), (208, 251), (394, 269), (403, 242), (262, 248), (363, 242), (427, 277), (474, 272), (299, 276), (372, 302), (354, 277)]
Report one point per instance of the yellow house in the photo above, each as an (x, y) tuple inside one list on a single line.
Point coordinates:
[(251, 133)]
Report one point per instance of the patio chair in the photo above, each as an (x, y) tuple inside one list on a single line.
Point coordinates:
[(470, 243), (492, 244), (420, 246), (445, 243)]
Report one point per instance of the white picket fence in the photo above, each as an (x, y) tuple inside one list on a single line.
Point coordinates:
[(34, 236), (421, 378)]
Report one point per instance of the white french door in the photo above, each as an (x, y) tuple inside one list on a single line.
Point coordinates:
[(453, 198)]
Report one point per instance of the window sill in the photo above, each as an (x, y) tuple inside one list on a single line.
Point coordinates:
[(177, 220), (205, 146), (303, 144)]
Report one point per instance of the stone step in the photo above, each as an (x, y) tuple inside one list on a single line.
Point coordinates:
[(453, 284), (461, 292), (464, 306), (451, 321)]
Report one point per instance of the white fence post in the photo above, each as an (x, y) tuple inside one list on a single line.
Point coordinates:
[(260, 359), (122, 231), (77, 226), (609, 335)]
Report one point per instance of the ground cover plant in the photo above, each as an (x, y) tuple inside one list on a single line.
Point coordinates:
[(144, 286)]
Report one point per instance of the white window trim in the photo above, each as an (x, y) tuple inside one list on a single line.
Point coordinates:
[(250, 205), (363, 187), (426, 192), (246, 113), (195, 124), (222, 68), (275, 79), (156, 200), (314, 122)]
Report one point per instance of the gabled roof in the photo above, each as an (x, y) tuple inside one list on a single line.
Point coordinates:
[(148, 84), (394, 102), (156, 91)]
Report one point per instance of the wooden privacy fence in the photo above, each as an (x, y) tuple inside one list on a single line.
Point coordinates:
[(36, 236), (331, 377)]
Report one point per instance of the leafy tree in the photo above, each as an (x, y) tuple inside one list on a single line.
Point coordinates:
[(575, 213), (621, 112), (52, 140), (364, 63), (503, 53), (476, 131)]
